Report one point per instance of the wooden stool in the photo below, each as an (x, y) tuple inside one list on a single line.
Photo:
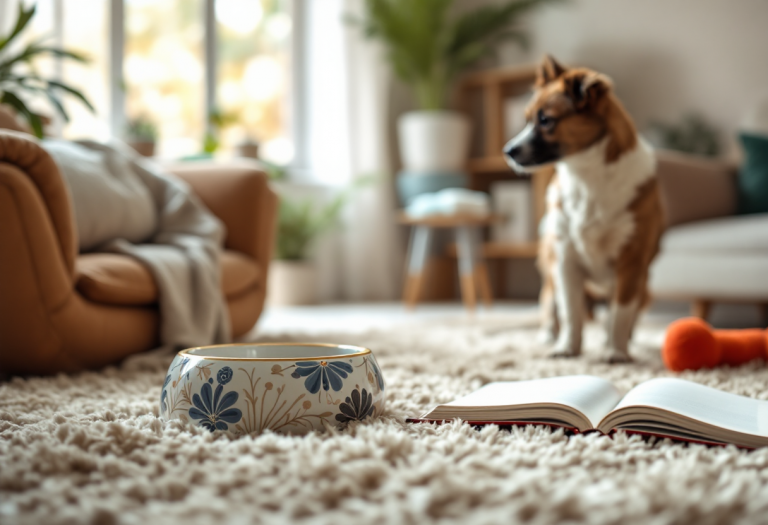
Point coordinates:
[(473, 273)]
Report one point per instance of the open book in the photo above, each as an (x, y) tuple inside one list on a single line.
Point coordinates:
[(663, 407)]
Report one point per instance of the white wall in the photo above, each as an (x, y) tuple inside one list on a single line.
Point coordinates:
[(666, 57)]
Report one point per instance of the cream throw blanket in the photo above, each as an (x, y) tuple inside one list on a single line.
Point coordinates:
[(126, 204)]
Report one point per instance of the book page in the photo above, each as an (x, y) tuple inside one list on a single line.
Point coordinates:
[(592, 396), (708, 405)]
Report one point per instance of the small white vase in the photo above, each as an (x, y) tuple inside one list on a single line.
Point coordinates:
[(433, 141), (291, 283)]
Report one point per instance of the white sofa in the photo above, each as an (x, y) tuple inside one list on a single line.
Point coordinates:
[(708, 254)]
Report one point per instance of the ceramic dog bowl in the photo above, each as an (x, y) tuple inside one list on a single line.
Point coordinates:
[(284, 387)]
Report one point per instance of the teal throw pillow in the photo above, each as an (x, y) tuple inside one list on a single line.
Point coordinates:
[(753, 177)]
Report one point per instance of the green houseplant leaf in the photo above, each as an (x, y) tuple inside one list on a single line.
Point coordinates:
[(22, 19), (427, 49), (16, 103), (16, 84)]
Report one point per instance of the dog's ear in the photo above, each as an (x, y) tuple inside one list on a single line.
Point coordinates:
[(586, 87), (549, 70)]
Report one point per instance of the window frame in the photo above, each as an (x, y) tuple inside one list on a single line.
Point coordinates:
[(117, 110)]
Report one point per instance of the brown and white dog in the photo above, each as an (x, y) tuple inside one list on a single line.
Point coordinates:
[(604, 217)]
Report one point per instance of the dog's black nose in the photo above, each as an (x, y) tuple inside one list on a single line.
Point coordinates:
[(513, 151)]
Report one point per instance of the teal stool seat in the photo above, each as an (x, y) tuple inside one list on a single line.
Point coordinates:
[(410, 184)]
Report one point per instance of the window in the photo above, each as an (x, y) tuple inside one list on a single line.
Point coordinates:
[(165, 70), (253, 80), (88, 35)]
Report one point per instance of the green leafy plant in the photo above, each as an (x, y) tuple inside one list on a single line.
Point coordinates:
[(18, 82), (427, 48), (211, 142), (692, 135), (274, 171), (142, 129), (217, 120), (299, 222)]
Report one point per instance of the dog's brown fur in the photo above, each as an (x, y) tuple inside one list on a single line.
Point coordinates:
[(641, 248), (587, 110), (583, 119)]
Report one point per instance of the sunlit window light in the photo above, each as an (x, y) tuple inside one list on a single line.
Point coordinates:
[(241, 16)]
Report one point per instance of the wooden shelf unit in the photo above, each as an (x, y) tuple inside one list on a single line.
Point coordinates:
[(493, 87), (504, 250), (481, 96)]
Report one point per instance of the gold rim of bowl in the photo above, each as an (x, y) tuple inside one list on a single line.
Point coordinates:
[(361, 351)]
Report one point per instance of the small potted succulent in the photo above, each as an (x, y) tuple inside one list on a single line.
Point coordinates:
[(292, 275), (692, 134), (142, 135), (248, 148)]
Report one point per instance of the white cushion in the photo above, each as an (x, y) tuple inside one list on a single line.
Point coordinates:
[(742, 233), (450, 201), (725, 275), (109, 199)]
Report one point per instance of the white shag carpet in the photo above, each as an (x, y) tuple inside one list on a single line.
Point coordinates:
[(89, 448)]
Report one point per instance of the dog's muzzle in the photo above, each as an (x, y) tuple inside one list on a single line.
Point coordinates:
[(528, 150)]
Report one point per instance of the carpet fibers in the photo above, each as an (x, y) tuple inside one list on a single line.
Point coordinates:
[(89, 448)]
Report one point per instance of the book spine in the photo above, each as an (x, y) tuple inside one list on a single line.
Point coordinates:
[(497, 423)]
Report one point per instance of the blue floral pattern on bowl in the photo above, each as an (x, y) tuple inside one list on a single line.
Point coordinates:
[(329, 374), (244, 396), (224, 376), (163, 406), (356, 407), (215, 413)]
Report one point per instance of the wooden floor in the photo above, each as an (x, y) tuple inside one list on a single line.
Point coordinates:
[(366, 316)]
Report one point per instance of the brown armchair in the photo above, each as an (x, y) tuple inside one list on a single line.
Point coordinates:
[(64, 311)]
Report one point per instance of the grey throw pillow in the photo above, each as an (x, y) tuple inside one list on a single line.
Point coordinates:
[(108, 198)]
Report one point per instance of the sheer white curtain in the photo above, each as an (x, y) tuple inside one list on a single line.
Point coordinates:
[(5, 16), (346, 87)]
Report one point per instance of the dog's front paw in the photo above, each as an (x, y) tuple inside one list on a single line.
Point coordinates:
[(546, 336), (563, 354), (616, 357), (565, 351)]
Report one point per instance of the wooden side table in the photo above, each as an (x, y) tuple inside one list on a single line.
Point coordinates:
[(473, 274)]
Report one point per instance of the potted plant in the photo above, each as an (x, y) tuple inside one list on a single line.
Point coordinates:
[(142, 135), (18, 80), (692, 134), (217, 121), (427, 49), (292, 276), (248, 148)]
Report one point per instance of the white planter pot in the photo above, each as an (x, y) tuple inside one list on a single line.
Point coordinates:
[(291, 283), (433, 141)]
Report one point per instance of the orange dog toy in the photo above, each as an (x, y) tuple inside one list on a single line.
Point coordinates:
[(692, 344)]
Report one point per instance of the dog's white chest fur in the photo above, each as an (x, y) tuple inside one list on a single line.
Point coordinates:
[(594, 205)]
